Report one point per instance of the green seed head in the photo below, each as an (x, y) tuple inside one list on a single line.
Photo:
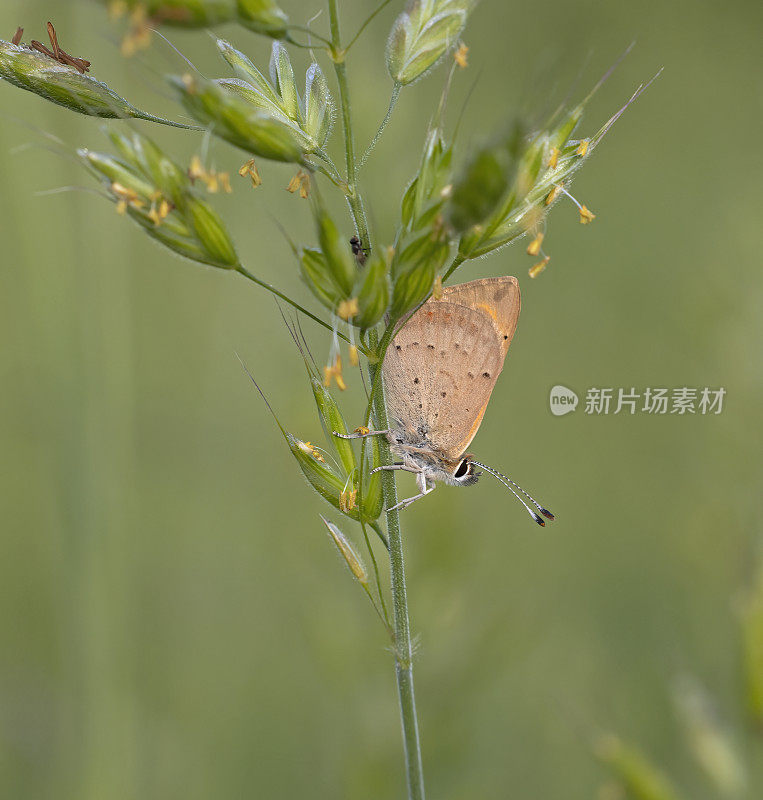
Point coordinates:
[(157, 194), (326, 481), (232, 118), (310, 119), (282, 78), (373, 294), (262, 16), (211, 233), (318, 105), (332, 420), (318, 277), (183, 13), (485, 181), (60, 83), (415, 271), (422, 34), (336, 250), (373, 500), (349, 553)]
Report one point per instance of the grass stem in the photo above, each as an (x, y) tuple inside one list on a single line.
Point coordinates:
[(403, 648)]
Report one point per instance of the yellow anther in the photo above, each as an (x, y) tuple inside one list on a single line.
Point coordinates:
[(196, 169), (139, 35), (348, 308), (437, 288), (536, 269), (308, 448), (354, 355), (293, 184), (460, 56), (586, 216), (300, 181), (154, 215), (125, 197), (347, 500), (250, 169), (553, 159), (553, 194), (335, 372), (165, 207), (582, 148), (214, 181), (534, 247), (362, 430)]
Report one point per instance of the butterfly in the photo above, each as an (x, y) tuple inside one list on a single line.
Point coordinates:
[(439, 373)]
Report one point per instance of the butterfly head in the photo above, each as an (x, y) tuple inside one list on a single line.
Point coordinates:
[(461, 472)]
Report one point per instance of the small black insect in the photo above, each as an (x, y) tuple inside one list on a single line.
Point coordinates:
[(358, 250)]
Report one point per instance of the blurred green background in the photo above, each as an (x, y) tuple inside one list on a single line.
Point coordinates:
[(174, 622)]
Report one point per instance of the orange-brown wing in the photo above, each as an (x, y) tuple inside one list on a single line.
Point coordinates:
[(439, 373), (499, 298)]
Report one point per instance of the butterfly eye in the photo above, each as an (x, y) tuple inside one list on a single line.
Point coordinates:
[(462, 470)]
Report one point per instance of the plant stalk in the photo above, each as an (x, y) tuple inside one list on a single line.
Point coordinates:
[(403, 648), (392, 103), (402, 628), (353, 196)]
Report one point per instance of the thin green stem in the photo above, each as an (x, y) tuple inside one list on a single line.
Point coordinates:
[(377, 577), (380, 533), (308, 31), (378, 611), (392, 103), (368, 21), (322, 154), (272, 289), (162, 121), (353, 196), (403, 648), (402, 627), (324, 170)]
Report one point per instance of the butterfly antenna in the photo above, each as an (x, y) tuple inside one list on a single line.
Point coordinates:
[(508, 483)]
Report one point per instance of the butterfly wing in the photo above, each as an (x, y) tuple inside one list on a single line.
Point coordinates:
[(499, 298), (443, 363)]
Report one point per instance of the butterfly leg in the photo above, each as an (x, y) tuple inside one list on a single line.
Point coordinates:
[(425, 489), (359, 433), (399, 466)]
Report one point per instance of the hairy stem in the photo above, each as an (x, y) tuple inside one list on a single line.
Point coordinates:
[(353, 196), (402, 628), (392, 103), (402, 631)]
